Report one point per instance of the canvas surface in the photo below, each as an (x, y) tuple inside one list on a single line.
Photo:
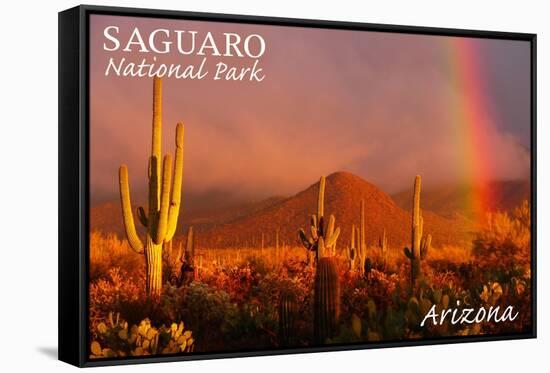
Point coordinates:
[(259, 187)]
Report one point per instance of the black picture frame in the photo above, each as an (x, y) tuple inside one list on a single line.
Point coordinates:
[(74, 189)]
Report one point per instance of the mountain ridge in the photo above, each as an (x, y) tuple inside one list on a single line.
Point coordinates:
[(343, 194), (452, 200), (244, 225)]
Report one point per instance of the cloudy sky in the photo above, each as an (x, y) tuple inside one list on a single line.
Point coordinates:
[(381, 105)]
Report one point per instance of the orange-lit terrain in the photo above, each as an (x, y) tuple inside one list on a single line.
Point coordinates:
[(246, 281), (370, 187)]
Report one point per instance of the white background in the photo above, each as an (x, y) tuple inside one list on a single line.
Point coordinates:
[(28, 184)]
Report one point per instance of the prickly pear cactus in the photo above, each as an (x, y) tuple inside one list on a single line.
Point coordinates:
[(326, 300), (323, 233), (116, 339)]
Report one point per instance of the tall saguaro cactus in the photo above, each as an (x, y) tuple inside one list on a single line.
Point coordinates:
[(352, 250), (362, 240), (384, 249), (323, 233), (164, 199), (287, 319), (187, 270), (326, 303), (419, 245)]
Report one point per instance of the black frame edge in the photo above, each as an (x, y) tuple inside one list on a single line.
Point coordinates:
[(69, 215), (304, 22), (73, 176), (534, 187)]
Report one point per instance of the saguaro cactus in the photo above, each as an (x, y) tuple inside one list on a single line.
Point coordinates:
[(362, 241), (384, 249), (189, 256), (187, 272), (287, 319), (326, 303), (323, 234), (164, 199), (352, 250), (419, 245)]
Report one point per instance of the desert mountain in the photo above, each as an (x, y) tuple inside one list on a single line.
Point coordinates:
[(452, 201), (243, 224), (201, 211), (343, 194)]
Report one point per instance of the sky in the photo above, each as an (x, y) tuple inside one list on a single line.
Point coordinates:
[(385, 106)]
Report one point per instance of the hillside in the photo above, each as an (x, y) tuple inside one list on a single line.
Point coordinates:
[(452, 201), (106, 217), (238, 224), (343, 194)]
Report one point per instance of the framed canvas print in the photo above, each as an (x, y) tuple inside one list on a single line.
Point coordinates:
[(239, 186)]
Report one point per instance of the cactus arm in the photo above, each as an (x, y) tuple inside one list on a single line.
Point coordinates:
[(159, 235), (156, 138), (331, 240), (314, 221), (321, 198), (128, 217), (314, 232), (426, 246), (175, 200), (330, 226), (142, 217), (304, 240), (154, 165)]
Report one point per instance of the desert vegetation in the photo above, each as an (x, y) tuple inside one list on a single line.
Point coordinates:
[(331, 284)]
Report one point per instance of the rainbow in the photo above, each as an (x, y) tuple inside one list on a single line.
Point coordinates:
[(473, 124)]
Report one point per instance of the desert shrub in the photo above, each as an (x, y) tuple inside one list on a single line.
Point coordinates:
[(233, 303), (237, 306), (502, 247), (116, 339), (107, 252), (116, 292), (208, 311), (449, 258)]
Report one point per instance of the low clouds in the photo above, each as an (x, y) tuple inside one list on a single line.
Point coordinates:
[(371, 103)]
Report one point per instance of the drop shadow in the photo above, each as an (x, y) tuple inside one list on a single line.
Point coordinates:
[(50, 352)]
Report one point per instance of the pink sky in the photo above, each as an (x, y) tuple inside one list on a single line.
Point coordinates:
[(375, 104)]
